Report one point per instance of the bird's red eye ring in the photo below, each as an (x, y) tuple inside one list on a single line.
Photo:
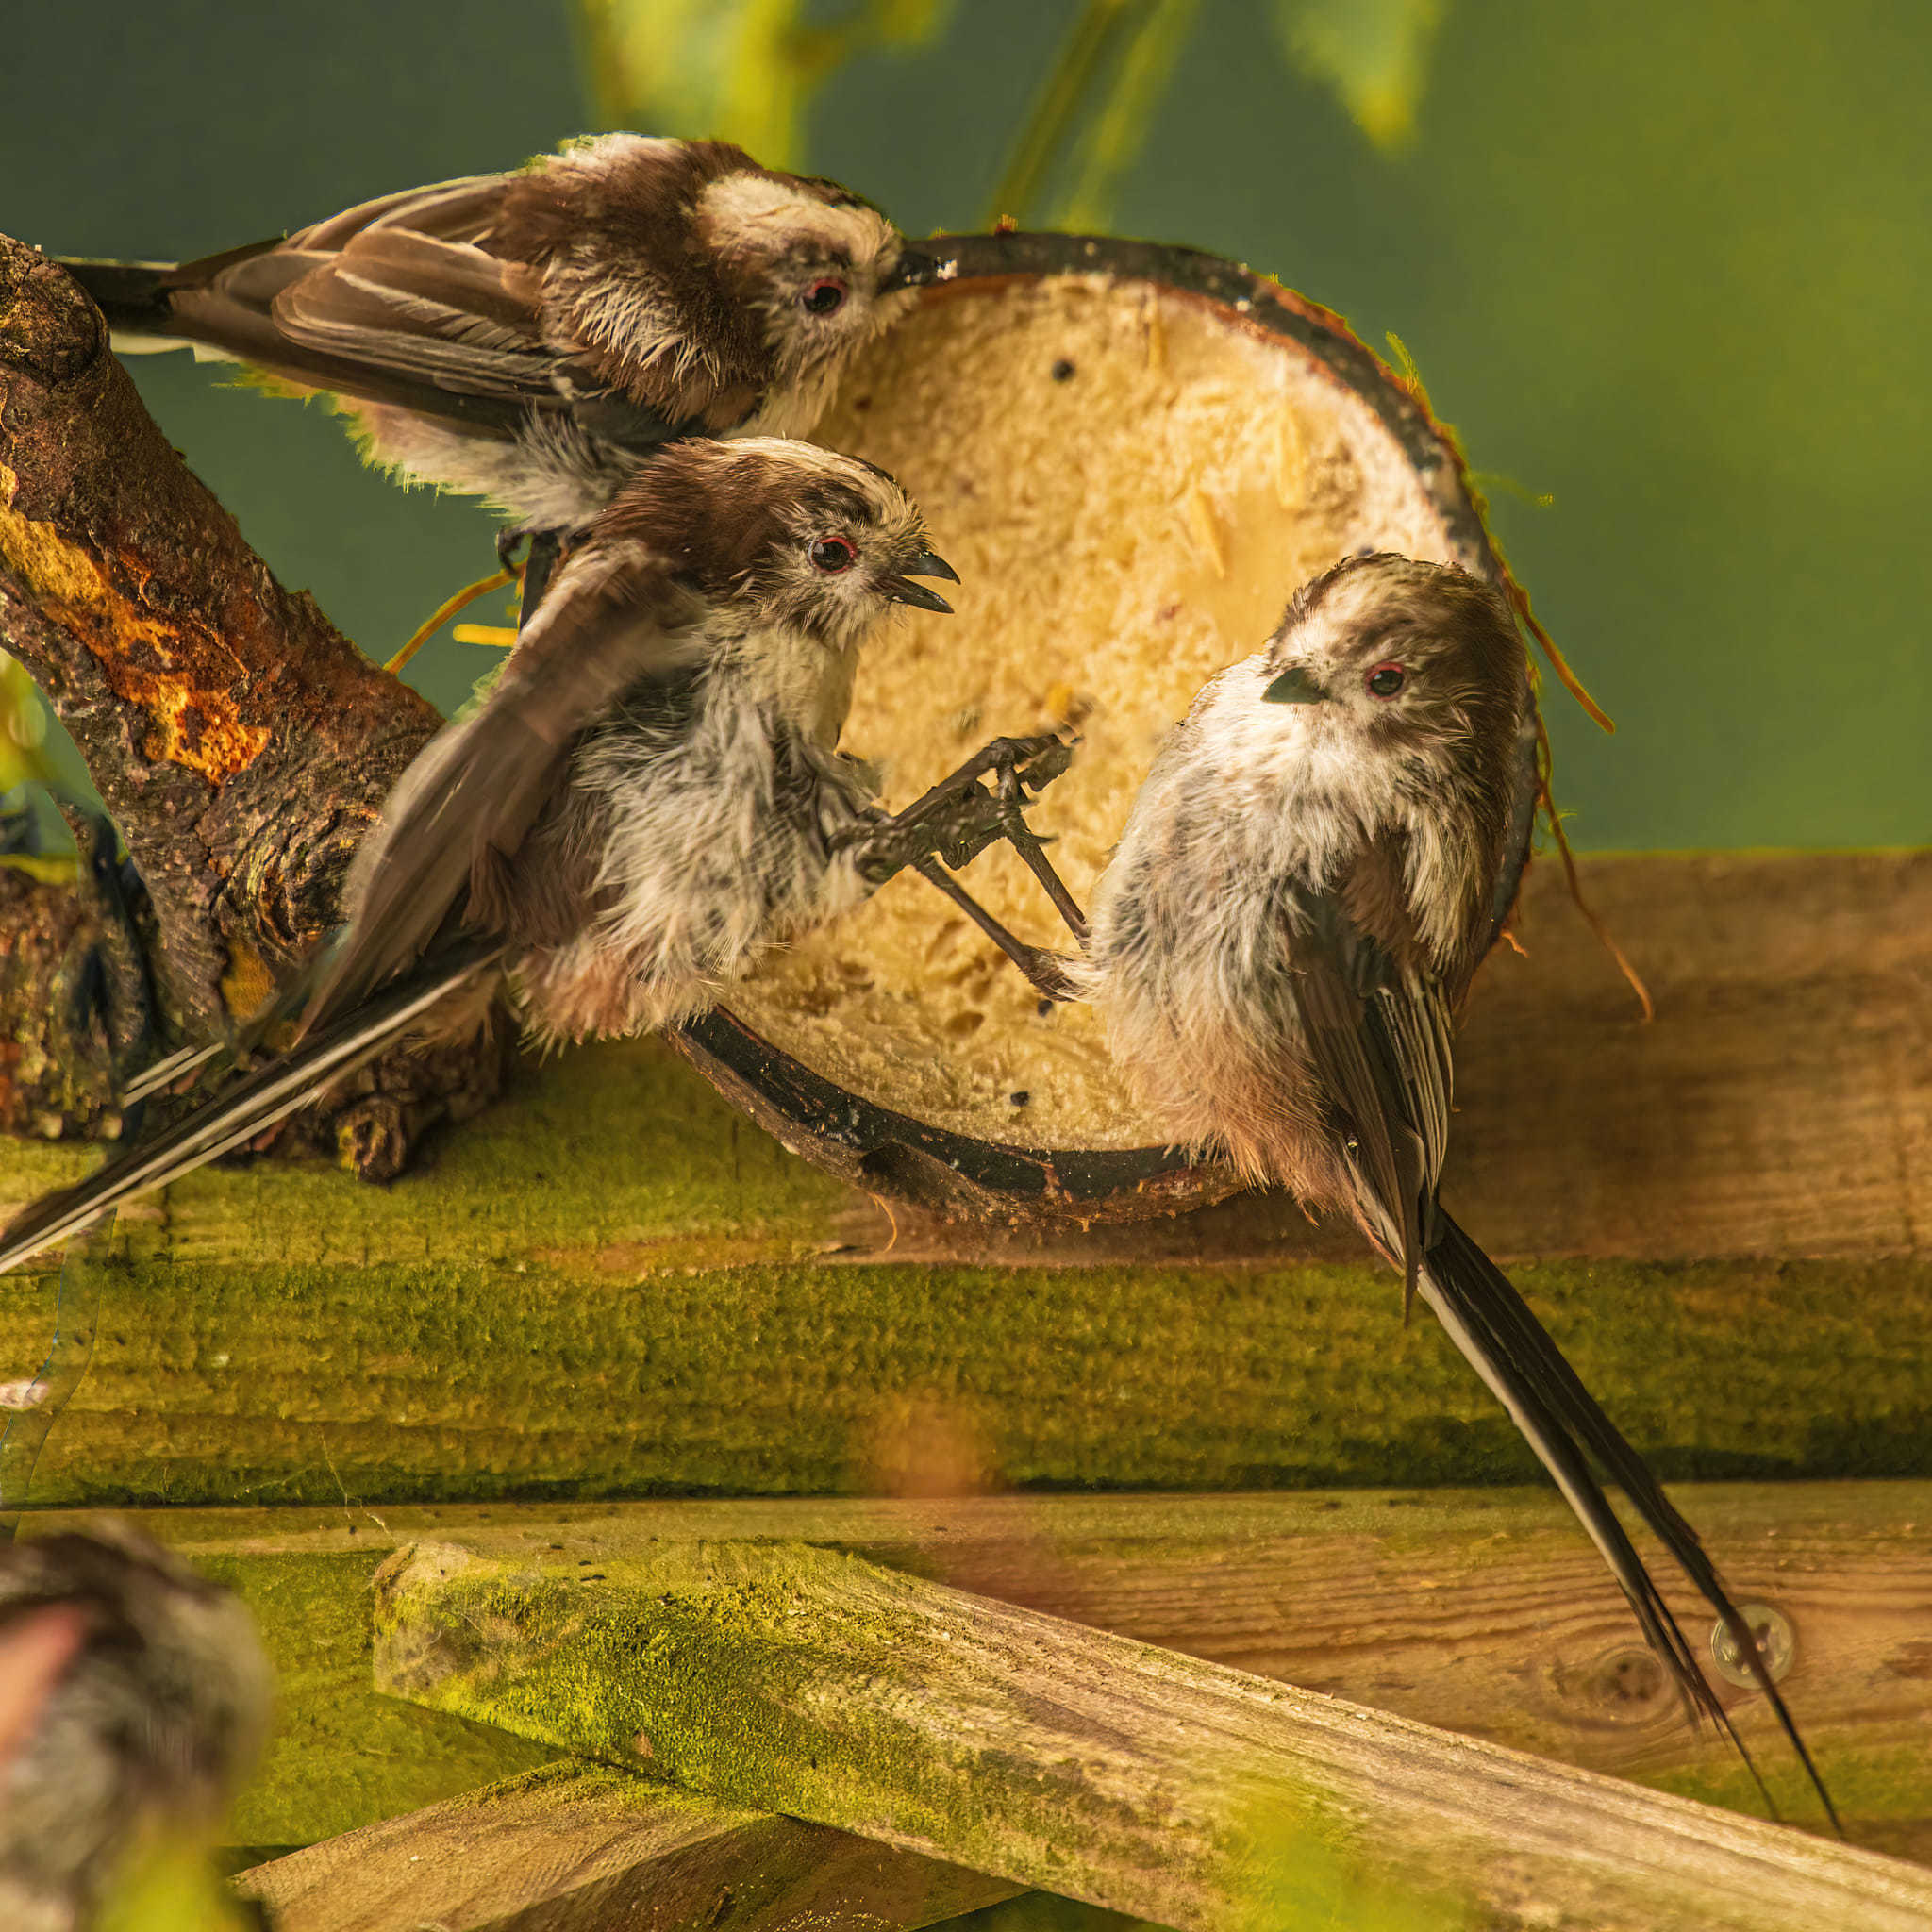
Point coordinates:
[(823, 298), (833, 554), (1384, 680)]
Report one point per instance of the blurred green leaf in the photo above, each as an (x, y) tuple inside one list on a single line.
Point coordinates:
[(1309, 1871), (23, 729), (1113, 138), (1373, 53), (735, 70), (171, 1887)]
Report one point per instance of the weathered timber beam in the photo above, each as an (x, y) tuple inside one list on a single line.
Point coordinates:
[(343, 1364), (1780, 1105), (1474, 1611), (587, 1848), (820, 1686)]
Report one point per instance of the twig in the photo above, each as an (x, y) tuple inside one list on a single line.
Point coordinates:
[(1057, 107), (1115, 136)]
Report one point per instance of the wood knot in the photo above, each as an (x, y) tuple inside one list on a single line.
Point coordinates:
[(48, 328), (1625, 1686)]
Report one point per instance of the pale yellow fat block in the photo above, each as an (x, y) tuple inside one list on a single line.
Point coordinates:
[(1131, 483)]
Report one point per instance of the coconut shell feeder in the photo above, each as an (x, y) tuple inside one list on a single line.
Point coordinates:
[(1133, 454)]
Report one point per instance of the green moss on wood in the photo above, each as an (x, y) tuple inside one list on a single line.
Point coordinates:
[(801, 1681), (442, 1381), (611, 1286), (341, 1754), (709, 1668)]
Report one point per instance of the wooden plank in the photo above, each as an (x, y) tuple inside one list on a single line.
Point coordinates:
[(576, 1848), (445, 1383), (1780, 1104), (817, 1685), (1483, 1612), (611, 1285)]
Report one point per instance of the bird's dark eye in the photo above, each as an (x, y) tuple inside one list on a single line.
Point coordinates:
[(1384, 680), (821, 298), (833, 554)]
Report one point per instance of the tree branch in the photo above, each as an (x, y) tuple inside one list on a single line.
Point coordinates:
[(241, 743)]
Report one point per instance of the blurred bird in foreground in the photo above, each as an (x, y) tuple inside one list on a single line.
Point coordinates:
[(651, 795), (1301, 896), (134, 1698)]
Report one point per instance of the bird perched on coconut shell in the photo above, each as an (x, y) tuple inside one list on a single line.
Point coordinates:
[(534, 336), (650, 796), (1279, 947)]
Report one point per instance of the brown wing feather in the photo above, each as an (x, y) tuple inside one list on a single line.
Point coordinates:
[(464, 209), (443, 311), (399, 301), (1378, 1040), (617, 614)]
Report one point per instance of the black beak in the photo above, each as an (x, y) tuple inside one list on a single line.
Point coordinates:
[(915, 269), (1295, 687), (924, 564)]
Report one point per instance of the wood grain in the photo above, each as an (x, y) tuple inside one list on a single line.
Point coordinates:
[(590, 1849), (1478, 1611), (1780, 1103), (822, 1687), (736, 1323)]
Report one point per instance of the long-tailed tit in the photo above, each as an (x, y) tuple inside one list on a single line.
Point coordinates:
[(533, 338), (149, 1704), (1298, 902), (651, 795)]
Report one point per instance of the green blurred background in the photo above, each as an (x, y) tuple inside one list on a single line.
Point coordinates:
[(1665, 265)]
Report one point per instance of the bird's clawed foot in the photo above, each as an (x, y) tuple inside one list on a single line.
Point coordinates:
[(958, 818), (1045, 971)]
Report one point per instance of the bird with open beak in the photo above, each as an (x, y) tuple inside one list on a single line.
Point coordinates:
[(650, 797), (533, 338), (1303, 889)]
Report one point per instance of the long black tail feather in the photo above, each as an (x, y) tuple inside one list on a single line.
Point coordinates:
[(246, 1103), (1494, 1328)]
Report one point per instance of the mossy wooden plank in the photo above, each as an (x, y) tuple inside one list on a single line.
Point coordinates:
[(339, 1756), (1481, 1611), (1781, 1104), (611, 1285), (587, 1848), (452, 1381), (798, 1681)]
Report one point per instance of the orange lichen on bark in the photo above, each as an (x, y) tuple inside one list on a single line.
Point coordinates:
[(143, 656)]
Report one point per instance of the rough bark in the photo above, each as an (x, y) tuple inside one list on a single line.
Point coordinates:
[(54, 1059), (241, 743)]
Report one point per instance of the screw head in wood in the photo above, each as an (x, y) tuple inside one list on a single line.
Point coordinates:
[(1778, 1643)]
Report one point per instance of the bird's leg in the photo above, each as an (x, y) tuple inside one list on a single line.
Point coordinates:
[(1041, 968), (957, 820), (1032, 849), (544, 551)]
